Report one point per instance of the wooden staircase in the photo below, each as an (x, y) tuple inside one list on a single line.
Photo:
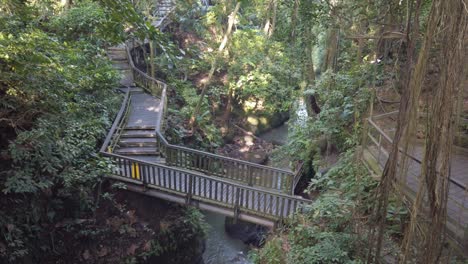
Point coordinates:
[(147, 163), (164, 7), (118, 56), (137, 142)]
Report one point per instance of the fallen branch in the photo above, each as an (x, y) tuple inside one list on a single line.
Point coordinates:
[(387, 101)]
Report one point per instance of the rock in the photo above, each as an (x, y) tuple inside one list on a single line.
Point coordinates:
[(258, 157), (246, 232), (261, 122)]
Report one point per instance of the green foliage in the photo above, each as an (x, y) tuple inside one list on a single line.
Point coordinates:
[(343, 99), (311, 245), (207, 136), (324, 233), (260, 72), (271, 253), (351, 178), (181, 233), (124, 13), (56, 95), (87, 21)]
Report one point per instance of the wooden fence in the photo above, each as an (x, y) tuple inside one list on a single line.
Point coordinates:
[(118, 126), (216, 191)]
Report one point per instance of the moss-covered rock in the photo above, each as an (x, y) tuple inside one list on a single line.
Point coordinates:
[(261, 122)]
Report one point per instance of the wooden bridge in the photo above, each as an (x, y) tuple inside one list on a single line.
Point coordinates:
[(376, 152), (147, 163)]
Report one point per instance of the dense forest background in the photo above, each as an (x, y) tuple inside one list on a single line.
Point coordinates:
[(232, 66)]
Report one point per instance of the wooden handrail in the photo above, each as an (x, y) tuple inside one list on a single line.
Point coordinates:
[(298, 175), (412, 157), (165, 146), (268, 204), (177, 169), (229, 158), (117, 120)]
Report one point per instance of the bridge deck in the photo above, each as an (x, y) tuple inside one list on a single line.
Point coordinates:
[(458, 198), (207, 192), (150, 175), (143, 111)]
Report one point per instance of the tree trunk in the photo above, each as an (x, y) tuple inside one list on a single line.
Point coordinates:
[(273, 19), (294, 20), (224, 42), (332, 48), (228, 110), (312, 106), (441, 131), (270, 21), (406, 120), (152, 56)]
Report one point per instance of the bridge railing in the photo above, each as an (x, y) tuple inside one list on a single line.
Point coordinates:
[(212, 164), (118, 126), (379, 143), (196, 186), (244, 197)]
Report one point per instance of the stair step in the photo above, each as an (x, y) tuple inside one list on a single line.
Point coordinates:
[(117, 48), (145, 128), (124, 144), (132, 89), (152, 159), (138, 142), (117, 57), (120, 65), (138, 134), (143, 151), (126, 78), (136, 139), (136, 90)]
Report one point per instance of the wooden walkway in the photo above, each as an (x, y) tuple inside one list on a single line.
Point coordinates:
[(206, 192), (143, 111), (376, 153), (223, 191), (147, 163)]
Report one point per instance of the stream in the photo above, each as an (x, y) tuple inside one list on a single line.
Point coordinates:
[(279, 135), (220, 247)]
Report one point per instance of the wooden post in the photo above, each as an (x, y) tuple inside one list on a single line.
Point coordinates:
[(282, 209), (294, 180), (289, 182), (250, 175), (190, 189), (380, 149), (144, 176), (236, 205)]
